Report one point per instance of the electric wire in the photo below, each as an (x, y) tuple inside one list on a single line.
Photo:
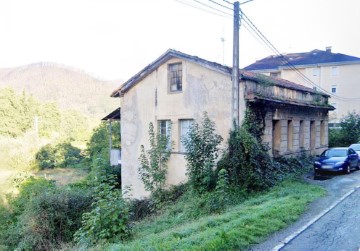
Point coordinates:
[(254, 31), (198, 8)]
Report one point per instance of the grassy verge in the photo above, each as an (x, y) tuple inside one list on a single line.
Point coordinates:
[(238, 227)]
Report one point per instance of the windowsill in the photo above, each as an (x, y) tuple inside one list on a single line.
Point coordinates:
[(182, 153), (174, 92)]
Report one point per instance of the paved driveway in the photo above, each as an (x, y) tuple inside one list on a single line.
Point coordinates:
[(338, 229)]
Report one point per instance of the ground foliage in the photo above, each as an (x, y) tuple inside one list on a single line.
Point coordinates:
[(109, 218), (42, 216)]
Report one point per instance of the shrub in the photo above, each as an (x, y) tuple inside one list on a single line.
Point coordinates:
[(43, 217), (201, 145), (51, 218), (109, 217), (247, 162), (60, 155)]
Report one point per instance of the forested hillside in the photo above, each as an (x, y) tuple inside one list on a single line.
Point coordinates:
[(68, 87)]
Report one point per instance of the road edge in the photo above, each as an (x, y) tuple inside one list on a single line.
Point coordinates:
[(289, 238)]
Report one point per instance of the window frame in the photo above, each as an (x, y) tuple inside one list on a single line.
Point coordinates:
[(178, 77), (181, 134), (167, 131)]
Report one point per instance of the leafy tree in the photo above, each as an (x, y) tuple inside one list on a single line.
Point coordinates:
[(98, 145), (202, 147), (60, 155), (348, 133), (153, 167)]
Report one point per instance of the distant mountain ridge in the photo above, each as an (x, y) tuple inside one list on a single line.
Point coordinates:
[(69, 87)]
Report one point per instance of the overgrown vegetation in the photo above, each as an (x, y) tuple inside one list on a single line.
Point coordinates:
[(153, 164), (348, 133), (246, 223), (61, 155), (42, 216), (109, 218), (202, 147)]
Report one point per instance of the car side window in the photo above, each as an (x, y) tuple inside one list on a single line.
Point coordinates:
[(351, 151)]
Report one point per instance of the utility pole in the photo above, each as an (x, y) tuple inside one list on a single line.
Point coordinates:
[(235, 69)]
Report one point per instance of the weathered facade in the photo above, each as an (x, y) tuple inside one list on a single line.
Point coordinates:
[(335, 73), (177, 88)]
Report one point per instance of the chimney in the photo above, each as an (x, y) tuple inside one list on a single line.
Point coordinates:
[(328, 49)]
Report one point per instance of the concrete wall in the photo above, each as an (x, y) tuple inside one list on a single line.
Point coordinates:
[(203, 90), (286, 114)]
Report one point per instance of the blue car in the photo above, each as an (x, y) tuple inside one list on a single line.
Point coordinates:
[(339, 159)]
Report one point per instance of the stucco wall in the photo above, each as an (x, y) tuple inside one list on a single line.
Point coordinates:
[(346, 81), (204, 90)]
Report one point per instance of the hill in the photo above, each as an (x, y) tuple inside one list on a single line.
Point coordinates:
[(70, 88)]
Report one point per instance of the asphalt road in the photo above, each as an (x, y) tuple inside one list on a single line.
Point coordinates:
[(337, 230)]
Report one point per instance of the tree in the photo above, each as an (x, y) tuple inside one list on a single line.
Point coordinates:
[(202, 147), (348, 133), (153, 166)]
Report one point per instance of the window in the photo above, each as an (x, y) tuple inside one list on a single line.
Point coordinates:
[(275, 74), (316, 72), (185, 126), (335, 70), (333, 89), (175, 77), (165, 130)]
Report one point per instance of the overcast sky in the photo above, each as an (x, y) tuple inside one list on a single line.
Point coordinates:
[(114, 39)]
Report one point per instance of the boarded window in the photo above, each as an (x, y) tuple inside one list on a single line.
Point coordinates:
[(175, 77), (185, 126), (312, 135), (290, 130), (276, 135), (302, 133), (322, 132)]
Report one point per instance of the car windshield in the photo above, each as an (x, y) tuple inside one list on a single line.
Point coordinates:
[(356, 147), (335, 153)]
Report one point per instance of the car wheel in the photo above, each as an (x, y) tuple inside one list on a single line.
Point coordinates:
[(347, 169), (358, 166)]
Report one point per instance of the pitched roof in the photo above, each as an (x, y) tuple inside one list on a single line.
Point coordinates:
[(114, 115), (313, 57), (244, 75)]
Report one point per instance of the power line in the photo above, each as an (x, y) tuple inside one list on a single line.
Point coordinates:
[(198, 8), (219, 4), (285, 60), (212, 7)]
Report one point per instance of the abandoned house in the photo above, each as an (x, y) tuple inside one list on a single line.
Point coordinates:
[(177, 88), (335, 73)]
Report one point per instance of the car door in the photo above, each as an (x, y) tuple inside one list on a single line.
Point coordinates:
[(353, 158)]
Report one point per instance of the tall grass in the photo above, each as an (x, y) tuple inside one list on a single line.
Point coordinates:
[(246, 223)]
